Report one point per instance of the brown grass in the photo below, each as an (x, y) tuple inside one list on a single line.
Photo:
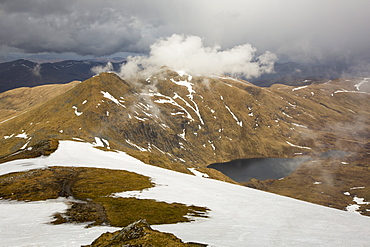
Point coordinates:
[(94, 186)]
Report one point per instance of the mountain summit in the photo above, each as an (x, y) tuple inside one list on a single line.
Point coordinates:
[(198, 120)]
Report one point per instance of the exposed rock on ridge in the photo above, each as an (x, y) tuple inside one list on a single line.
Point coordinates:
[(139, 233)]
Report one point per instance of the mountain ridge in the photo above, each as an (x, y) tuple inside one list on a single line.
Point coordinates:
[(178, 121), (188, 115), (25, 73)]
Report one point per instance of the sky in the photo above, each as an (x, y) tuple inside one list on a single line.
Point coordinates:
[(297, 30)]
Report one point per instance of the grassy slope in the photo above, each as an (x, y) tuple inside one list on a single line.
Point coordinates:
[(14, 102), (94, 186), (326, 181)]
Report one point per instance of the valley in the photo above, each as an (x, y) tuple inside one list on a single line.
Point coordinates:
[(184, 123)]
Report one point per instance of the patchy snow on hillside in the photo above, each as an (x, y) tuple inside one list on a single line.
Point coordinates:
[(109, 96), (357, 86), (76, 111), (298, 88), (238, 216), (290, 144), (22, 135), (198, 173)]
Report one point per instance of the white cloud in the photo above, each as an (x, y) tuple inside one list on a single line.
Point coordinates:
[(101, 69), (36, 70), (187, 53)]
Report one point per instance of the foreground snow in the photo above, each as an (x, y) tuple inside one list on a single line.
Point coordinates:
[(239, 216), (26, 224)]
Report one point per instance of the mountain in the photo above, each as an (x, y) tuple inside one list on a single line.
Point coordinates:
[(24, 73), (179, 121), (184, 123), (298, 74)]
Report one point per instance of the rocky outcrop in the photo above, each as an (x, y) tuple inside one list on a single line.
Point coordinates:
[(42, 148), (139, 234)]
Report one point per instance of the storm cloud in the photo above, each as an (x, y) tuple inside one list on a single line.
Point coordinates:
[(306, 30)]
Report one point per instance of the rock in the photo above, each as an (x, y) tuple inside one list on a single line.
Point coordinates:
[(139, 234)]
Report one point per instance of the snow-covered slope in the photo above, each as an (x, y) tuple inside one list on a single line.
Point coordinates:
[(239, 216)]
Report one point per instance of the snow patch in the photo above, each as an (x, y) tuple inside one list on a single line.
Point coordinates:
[(360, 201), (357, 86), (299, 125), (240, 123), (298, 88), (109, 96), (98, 142), (22, 135), (353, 208), (346, 91), (7, 137), (78, 139), (286, 115), (136, 146), (198, 173), (356, 188), (195, 108), (26, 144), (169, 100), (76, 111), (297, 145), (182, 135), (140, 119)]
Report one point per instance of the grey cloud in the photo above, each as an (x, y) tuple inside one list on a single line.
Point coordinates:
[(85, 31), (303, 30)]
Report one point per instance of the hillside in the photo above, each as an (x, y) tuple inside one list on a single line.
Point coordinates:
[(237, 215), (198, 121), (178, 121), (16, 101), (184, 123)]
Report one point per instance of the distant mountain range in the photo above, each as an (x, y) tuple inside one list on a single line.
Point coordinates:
[(24, 73), (296, 74)]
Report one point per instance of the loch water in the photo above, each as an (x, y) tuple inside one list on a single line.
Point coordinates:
[(243, 170)]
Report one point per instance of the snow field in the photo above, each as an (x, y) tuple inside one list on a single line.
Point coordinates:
[(26, 224), (238, 216)]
